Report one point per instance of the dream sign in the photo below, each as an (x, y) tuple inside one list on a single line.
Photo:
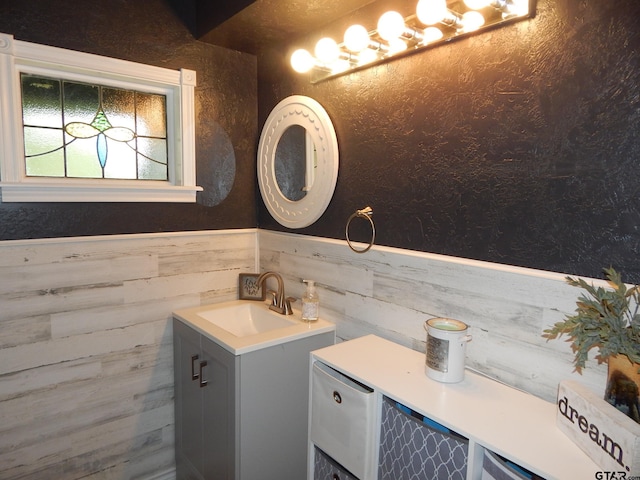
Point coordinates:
[(607, 435)]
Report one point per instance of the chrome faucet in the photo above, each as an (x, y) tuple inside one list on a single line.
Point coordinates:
[(279, 303)]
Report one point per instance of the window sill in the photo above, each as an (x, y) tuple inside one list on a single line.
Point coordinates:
[(92, 192)]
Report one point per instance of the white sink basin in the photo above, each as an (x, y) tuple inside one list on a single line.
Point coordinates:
[(246, 319), (242, 326)]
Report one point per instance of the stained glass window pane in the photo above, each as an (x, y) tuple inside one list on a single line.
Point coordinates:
[(120, 107), (80, 130), (44, 140), (81, 159), (41, 102), (81, 102), (122, 162), (152, 158), (151, 115)]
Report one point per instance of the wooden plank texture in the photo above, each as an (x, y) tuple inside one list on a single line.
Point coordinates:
[(85, 338), (86, 358), (391, 292)]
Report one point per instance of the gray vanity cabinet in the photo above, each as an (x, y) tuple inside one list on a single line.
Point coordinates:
[(241, 417)]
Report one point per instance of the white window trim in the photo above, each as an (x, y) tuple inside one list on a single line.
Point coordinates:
[(179, 85)]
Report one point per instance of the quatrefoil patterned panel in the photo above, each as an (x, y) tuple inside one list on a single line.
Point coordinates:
[(325, 468), (411, 450)]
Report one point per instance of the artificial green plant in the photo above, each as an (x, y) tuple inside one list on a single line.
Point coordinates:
[(606, 319)]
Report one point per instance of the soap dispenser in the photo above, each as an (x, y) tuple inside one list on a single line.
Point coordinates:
[(310, 302)]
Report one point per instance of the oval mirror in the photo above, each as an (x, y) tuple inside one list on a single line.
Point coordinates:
[(297, 161)]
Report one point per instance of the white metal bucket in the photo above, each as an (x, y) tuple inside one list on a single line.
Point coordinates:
[(446, 349)]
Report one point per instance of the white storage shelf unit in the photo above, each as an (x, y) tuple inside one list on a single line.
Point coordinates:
[(515, 425)]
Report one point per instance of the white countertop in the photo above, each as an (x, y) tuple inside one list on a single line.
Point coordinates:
[(250, 343), (512, 423)]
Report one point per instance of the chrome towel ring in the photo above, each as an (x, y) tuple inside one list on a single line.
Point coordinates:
[(367, 213)]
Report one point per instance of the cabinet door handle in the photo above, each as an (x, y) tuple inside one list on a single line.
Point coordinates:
[(203, 383), (194, 374)]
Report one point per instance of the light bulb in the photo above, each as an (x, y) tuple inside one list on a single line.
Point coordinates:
[(367, 56), (340, 65), (302, 61), (472, 21), (327, 50), (517, 7), (391, 25), (476, 4), (432, 34), (431, 12), (396, 45), (356, 38)]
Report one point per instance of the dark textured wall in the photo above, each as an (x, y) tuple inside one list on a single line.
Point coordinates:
[(519, 146), (226, 115)]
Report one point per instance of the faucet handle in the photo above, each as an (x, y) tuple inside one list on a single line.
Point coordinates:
[(273, 294), (287, 305)]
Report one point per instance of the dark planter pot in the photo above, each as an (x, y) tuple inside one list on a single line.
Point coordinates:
[(623, 386)]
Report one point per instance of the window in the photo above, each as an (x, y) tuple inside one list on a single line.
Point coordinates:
[(77, 127), (79, 130)]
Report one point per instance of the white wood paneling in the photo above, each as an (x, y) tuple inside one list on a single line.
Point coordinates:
[(392, 292), (56, 276), (86, 368), (86, 358)]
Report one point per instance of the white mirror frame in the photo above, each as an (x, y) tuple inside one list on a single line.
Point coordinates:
[(306, 112)]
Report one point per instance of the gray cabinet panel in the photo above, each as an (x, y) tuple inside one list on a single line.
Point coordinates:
[(188, 403), (204, 406), (274, 402), (218, 411)]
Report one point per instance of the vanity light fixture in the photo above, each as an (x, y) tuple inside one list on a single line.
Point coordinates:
[(433, 22)]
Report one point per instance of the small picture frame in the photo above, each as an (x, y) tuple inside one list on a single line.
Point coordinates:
[(248, 288)]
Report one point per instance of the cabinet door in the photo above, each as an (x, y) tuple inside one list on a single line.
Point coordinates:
[(219, 415), (188, 403)]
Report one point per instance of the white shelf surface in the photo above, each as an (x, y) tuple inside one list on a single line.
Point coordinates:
[(512, 423)]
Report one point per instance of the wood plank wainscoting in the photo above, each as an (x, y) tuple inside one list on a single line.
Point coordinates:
[(391, 292), (86, 365), (86, 373)]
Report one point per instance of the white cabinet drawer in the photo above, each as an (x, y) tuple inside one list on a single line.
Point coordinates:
[(343, 419)]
